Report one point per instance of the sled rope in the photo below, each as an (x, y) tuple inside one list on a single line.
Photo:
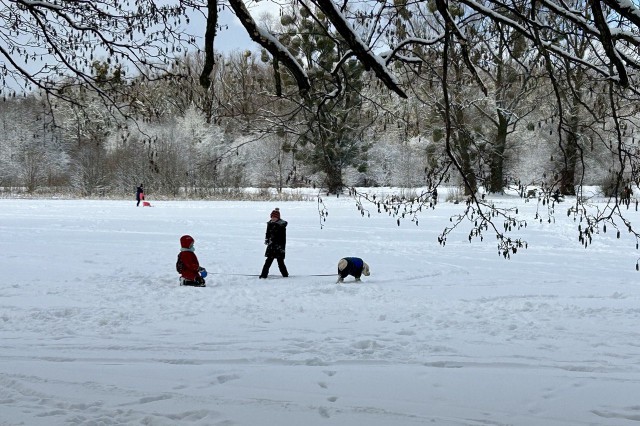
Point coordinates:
[(257, 275)]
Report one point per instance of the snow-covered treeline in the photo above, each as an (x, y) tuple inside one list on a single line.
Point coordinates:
[(425, 94), (181, 140)]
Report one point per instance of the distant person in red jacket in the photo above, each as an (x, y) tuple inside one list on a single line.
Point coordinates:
[(139, 194), (191, 273)]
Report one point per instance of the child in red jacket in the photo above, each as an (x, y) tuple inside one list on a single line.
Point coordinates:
[(191, 273)]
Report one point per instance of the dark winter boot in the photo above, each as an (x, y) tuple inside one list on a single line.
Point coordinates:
[(282, 267), (265, 268)]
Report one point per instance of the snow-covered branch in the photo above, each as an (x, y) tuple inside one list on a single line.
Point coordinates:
[(363, 52), (271, 44)]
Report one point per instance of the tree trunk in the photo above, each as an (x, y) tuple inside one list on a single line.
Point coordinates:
[(568, 172), (464, 145), (496, 179), (334, 179)]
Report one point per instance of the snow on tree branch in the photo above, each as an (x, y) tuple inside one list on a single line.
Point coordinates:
[(607, 43), (363, 52), (594, 26), (626, 9), (271, 44)]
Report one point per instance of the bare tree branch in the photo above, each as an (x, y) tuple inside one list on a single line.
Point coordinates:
[(607, 43), (271, 44), (443, 8), (362, 52), (209, 38)]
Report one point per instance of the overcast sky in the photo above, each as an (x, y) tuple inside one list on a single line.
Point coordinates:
[(232, 35)]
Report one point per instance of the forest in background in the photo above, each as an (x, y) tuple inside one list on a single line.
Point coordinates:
[(183, 140)]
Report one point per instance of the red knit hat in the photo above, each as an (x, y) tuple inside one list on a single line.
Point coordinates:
[(276, 213), (186, 241)]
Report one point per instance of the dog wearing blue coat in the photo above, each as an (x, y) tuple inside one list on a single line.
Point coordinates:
[(353, 266)]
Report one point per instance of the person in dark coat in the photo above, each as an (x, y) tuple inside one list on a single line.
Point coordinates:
[(139, 194), (191, 273), (353, 266), (276, 240)]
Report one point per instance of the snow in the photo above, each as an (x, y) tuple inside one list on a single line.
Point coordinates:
[(94, 329)]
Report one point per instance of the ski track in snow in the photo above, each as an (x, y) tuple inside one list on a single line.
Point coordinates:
[(94, 329)]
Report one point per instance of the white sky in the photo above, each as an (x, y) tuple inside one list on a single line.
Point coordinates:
[(234, 36), (231, 37)]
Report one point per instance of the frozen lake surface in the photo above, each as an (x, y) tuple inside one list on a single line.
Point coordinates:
[(94, 329)]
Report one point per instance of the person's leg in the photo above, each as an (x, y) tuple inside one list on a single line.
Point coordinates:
[(265, 268), (282, 267)]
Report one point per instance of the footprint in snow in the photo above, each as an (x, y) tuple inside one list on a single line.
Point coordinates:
[(226, 378)]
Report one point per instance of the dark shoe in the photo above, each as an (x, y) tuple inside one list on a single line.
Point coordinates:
[(285, 276), (262, 276), (192, 283)]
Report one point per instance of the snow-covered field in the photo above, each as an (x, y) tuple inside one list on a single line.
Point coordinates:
[(94, 329)]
